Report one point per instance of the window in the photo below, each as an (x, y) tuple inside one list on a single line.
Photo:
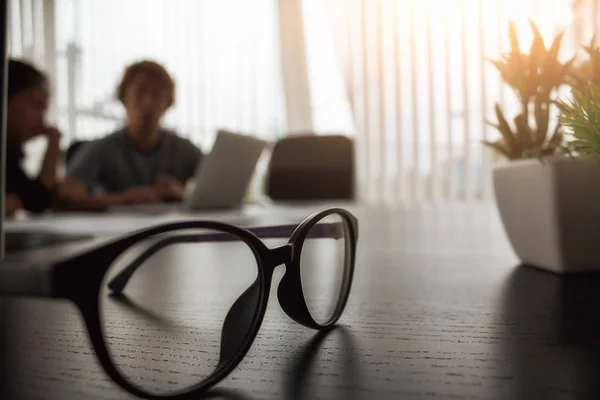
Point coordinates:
[(222, 54)]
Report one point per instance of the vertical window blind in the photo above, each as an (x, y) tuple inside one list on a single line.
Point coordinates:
[(408, 79)]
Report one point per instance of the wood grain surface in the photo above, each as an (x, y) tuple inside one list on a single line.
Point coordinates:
[(439, 309)]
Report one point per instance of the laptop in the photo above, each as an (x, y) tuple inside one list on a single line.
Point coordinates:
[(221, 181)]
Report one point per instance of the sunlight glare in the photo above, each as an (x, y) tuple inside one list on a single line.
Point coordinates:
[(550, 19)]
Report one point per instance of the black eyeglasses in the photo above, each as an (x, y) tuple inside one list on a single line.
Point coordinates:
[(168, 324)]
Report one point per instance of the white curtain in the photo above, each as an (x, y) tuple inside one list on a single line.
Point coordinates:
[(31, 38), (295, 80), (31, 32), (420, 88)]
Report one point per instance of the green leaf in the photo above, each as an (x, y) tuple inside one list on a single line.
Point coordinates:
[(499, 66), (506, 131), (555, 140), (542, 116), (592, 43), (580, 114), (524, 134), (537, 48), (555, 48), (514, 40), (490, 123), (567, 66)]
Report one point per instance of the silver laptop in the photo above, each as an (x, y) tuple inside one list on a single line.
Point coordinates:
[(222, 179)]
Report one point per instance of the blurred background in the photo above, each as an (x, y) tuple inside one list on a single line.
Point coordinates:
[(409, 80)]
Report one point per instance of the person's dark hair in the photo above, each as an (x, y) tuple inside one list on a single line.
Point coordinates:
[(23, 76), (155, 70)]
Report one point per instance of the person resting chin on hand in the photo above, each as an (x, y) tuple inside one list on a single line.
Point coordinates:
[(28, 96)]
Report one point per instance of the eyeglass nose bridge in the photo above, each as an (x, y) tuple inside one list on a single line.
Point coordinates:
[(281, 255)]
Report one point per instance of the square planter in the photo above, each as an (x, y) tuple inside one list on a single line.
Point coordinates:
[(551, 211)]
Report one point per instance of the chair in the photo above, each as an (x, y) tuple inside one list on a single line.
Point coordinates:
[(311, 167)]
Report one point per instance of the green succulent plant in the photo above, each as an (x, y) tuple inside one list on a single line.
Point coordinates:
[(588, 70), (581, 116), (535, 79)]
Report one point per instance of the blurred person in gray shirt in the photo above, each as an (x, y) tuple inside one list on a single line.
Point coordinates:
[(141, 163)]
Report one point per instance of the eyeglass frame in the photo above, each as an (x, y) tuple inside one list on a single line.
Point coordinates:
[(70, 280)]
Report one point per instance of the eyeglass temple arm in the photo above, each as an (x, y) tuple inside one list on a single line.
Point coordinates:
[(323, 230)]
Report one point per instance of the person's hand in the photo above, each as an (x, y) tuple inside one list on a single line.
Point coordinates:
[(51, 133), (140, 195), (169, 188)]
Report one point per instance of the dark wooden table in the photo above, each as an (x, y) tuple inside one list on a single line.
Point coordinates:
[(440, 309)]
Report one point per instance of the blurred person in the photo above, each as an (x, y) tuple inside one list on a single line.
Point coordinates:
[(28, 97), (140, 163)]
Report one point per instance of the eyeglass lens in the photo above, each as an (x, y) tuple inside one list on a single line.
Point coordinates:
[(163, 332), (323, 263)]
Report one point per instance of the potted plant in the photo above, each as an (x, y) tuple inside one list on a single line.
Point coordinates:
[(535, 79), (587, 70), (548, 198)]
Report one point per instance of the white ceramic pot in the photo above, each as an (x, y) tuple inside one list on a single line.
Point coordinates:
[(551, 211)]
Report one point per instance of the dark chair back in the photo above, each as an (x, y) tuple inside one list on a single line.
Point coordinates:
[(73, 149), (311, 167)]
